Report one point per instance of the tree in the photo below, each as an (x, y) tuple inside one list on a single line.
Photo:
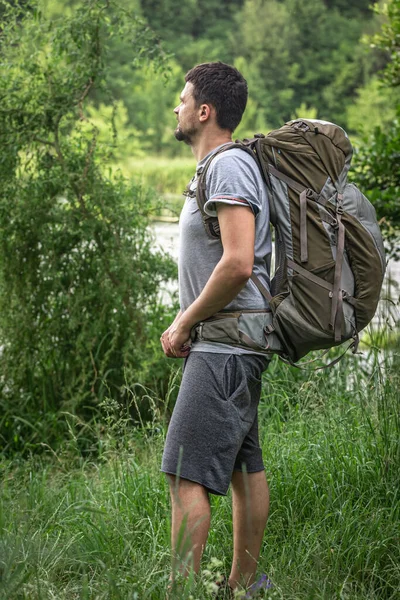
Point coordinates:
[(292, 57), (194, 30), (354, 8), (374, 106), (79, 278), (389, 40), (378, 158), (265, 39), (285, 48)]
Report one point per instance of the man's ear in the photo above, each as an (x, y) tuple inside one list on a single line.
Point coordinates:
[(204, 112)]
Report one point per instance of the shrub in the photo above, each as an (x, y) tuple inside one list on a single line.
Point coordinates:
[(79, 277)]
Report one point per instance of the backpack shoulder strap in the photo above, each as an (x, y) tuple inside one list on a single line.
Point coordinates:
[(211, 223)]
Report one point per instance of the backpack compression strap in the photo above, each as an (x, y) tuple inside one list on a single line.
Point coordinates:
[(336, 293)]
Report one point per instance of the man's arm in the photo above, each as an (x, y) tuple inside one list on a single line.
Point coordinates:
[(237, 226)]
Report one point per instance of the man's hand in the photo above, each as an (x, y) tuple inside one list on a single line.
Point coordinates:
[(176, 341)]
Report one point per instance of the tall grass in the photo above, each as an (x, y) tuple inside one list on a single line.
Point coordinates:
[(166, 175), (98, 527), (166, 178)]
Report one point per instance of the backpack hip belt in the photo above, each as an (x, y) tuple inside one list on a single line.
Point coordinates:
[(242, 328)]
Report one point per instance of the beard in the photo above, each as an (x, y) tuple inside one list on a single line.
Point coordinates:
[(184, 136)]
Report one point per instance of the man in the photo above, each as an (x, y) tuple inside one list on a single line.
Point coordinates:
[(212, 439)]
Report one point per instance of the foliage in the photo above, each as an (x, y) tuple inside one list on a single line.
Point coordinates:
[(291, 58), (114, 130), (389, 39), (79, 277), (167, 176), (194, 30), (150, 106), (374, 106), (377, 161), (267, 53), (304, 112), (285, 48), (378, 175), (353, 8)]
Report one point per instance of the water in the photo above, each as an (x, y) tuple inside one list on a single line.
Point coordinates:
[(167, 239), (167, 236)]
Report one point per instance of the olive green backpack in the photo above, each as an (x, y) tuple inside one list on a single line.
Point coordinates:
[(329, 254)]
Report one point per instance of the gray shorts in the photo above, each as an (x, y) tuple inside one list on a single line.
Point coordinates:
[(214, 425)]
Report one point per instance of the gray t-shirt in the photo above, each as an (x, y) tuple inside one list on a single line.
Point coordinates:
[(232, 178)]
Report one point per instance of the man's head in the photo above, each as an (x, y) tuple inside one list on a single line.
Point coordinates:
[(211, 88)]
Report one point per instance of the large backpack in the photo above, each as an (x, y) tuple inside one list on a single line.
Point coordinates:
[(329, 254)]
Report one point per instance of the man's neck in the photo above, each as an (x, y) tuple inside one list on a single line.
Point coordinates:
[(208, 142)]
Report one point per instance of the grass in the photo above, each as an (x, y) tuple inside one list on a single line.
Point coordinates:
[(165, 175), (97, 527), (164, 178)]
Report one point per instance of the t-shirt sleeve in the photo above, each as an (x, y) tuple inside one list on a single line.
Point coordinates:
[(233, 179)]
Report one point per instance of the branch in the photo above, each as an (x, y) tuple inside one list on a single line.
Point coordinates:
[(86, 169), (57, 143), (96, 375), (61, 159), (82, 98), (46, 142)]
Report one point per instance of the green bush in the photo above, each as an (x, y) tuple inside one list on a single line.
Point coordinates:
[(378, 175), (79, 278), (377, 160)]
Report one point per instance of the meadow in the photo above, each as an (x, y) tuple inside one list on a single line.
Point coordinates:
[(167, 178), (94, 524)]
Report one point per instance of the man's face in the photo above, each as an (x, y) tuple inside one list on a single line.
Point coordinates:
[(187, 116)]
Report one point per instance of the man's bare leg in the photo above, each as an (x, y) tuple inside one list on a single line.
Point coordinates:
[(190, 524), (250, 506)]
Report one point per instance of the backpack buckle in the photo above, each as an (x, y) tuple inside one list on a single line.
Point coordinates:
[(339, 204), (269, 328), (349, 298), (301, 125), (200, 332), (311, 195), (189, 193)]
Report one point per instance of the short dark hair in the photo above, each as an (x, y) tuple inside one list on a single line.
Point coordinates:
[(222, 86)]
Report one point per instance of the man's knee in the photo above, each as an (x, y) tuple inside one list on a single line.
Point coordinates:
[(184, 489)]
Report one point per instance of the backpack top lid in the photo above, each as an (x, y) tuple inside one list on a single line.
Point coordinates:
[(323, 139)]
